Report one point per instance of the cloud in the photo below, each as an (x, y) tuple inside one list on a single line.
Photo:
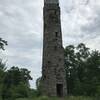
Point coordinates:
[(93, 26), (80, 21), (21, 24)]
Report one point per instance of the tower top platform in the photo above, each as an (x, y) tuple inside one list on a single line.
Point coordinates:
[(51, 1)]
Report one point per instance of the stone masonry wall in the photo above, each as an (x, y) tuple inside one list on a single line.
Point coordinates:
[(53, 72)]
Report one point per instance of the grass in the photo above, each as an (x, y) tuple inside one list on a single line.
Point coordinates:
[(67, 98)]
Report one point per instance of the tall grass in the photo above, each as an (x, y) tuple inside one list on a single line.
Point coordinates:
[(67, 98)]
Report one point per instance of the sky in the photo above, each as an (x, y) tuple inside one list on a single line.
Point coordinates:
[(21, 24)]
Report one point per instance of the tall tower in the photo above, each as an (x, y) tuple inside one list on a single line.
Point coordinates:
[(53, 73)]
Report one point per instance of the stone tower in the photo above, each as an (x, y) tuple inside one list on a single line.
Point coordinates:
[(53, 73)]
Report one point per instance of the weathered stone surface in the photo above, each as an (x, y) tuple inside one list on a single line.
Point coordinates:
[(53, 73), (51, 1)]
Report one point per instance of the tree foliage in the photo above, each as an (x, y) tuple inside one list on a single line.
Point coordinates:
[(2, 74), (38, 86), (82, 70), (16, 83), (2, 43)]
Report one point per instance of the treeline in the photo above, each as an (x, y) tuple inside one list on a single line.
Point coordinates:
[(82, 70), (82, 67), (14, 83)]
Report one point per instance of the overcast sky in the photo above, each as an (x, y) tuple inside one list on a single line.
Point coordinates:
[(21, 25)]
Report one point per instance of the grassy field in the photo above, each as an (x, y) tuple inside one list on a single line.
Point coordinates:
[(67, 98)]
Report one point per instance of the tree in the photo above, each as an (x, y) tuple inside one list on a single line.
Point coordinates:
[(25, 75), (2, 74), (92, 73), (19, 91), (16, 83), (70, 62), (2, 65), (38, 86), (2, 43), (82, 70)]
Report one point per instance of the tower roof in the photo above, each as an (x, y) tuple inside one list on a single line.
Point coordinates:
[(51, 1)]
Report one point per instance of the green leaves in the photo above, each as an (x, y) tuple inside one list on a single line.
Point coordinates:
[(16, 83), (82, 70), (13, 82)]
